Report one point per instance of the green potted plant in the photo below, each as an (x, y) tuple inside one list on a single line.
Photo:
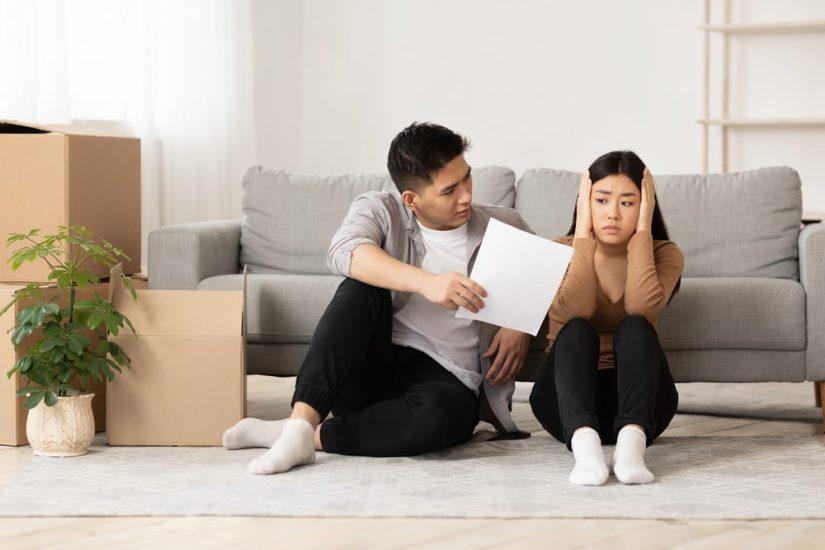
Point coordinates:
[(69, 344)]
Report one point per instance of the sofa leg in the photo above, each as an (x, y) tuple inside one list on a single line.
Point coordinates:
[(818, 393)]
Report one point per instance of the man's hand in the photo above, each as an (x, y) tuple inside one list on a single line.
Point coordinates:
[(453, 290), (510, 348)]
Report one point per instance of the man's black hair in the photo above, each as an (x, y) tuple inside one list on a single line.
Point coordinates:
[(419, 151)]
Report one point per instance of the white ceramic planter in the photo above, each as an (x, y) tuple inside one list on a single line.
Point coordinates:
[(67, 429)]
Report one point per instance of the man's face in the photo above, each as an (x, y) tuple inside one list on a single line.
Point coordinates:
[(614, 205), (445, 203)]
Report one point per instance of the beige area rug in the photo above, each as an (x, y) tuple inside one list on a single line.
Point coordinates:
[(697, 478)]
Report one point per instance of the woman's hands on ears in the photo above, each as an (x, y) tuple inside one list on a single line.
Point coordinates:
[(648, 204), (584, 219)]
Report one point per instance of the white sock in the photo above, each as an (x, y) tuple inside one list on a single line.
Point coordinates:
[(253, 432), (629, 456), (295, 447), (590, 468)]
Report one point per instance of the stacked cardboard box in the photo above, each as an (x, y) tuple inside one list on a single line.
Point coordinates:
[(68, 175), (52, 176)]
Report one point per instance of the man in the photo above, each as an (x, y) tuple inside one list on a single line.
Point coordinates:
[(401, 374)]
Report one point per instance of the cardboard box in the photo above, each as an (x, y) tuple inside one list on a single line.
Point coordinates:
[(12, 413), (68, 175), (187, 384)]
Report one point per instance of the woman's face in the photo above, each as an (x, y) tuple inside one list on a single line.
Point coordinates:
[(614, 206)]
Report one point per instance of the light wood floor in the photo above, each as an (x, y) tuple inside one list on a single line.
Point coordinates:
[(268, 398)]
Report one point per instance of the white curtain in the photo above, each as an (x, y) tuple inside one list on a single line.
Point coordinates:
[(176, 73)]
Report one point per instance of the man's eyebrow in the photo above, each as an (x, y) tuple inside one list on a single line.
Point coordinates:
[(467, 175), (628, 194), (452, 185)]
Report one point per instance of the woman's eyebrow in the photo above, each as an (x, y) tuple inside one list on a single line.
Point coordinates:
[(628, 194)]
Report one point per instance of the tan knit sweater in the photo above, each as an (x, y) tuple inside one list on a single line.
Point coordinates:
[(653, 268)]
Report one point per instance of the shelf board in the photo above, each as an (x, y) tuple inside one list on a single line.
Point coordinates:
[(764, 122), (765, 28)]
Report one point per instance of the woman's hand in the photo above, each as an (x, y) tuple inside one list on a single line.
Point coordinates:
[(648, 204), (584, 220)]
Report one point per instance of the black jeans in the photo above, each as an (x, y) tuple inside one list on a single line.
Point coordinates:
[(387, 400), (570, 392)]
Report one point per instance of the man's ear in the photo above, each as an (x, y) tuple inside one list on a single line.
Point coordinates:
[(410, 198)]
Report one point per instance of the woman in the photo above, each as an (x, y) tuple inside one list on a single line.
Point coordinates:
[(606, 378)]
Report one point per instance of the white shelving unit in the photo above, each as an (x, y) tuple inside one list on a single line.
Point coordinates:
[(724, 122)]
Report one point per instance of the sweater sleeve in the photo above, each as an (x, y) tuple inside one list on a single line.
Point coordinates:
[(576, 296), (652, 274)]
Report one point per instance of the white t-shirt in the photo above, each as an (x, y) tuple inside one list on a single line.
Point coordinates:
[(433, 329)]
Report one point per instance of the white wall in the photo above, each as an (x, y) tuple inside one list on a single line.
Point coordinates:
[(531, 82), (277, 28)]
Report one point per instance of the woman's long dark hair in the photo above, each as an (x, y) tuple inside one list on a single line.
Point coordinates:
[(629, 164)]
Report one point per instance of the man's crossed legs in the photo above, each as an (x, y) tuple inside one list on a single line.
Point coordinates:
[(387, 400)]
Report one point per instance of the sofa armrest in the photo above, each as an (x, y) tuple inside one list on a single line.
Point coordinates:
[(181, 256), (812, 277)]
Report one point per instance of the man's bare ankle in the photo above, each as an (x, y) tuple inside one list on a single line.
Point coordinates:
[(306, 412), (318, 445)]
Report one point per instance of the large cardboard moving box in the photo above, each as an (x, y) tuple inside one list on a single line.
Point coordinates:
[(68, 175), (187, 384), (12, 413)]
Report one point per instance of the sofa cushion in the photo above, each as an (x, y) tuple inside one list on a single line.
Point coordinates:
[(742, 224), (289, 219), (280, 309), (735, 313), (545, 198), (729, 313)]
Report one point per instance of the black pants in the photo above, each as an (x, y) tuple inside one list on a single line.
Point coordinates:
[(570, 392), (387, 400)]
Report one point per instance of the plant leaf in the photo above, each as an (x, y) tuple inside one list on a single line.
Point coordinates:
[(53, 329), (33, 400), (24, 363), (75, 345), (20, 333), (94, 320), (103, 347), (49, 344), (51, 399), (27, 314), (112, 324), (37, 377)]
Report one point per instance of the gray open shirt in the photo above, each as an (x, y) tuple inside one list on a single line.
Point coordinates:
[(381, 218)]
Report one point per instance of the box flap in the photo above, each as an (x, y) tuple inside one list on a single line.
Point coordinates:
[(14, 127), (19, 127), (114, 281), (12, 287)]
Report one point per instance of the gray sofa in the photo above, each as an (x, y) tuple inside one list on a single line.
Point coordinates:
[(751, 306)]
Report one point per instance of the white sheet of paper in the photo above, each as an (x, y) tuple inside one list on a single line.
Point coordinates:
[(521, 274)]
